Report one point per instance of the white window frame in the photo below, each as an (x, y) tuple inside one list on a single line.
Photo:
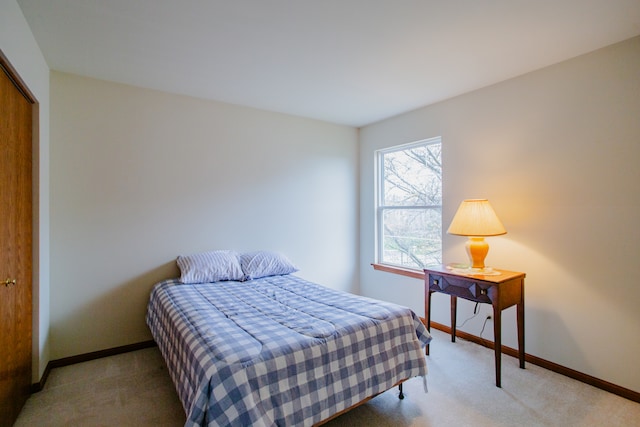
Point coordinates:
[(380, 208)]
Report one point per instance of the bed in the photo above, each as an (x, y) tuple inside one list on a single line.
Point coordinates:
[(275, 349)]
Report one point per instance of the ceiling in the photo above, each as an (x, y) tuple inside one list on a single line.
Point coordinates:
[(350, 62)]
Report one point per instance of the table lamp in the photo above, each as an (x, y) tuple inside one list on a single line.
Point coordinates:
[(476, 219)]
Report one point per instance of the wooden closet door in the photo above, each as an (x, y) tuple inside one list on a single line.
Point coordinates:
[(15, 248)]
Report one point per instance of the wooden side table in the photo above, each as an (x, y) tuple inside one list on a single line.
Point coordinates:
[(501, 291)]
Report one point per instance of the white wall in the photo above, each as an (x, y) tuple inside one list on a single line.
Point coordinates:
[(20, 47), (139, 177), (556, 152)]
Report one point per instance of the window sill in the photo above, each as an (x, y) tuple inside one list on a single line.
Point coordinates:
[(399, 270)]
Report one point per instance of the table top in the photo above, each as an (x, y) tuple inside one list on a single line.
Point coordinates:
[(498, 276)]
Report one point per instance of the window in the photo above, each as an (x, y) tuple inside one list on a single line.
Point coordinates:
[(409, 205)]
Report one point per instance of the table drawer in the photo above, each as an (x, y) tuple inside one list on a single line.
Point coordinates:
[(464, 288)]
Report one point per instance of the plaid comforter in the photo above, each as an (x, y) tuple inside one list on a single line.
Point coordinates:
[(280, 350)]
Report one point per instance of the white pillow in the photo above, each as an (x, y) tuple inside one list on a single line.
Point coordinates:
[(207, 267), (264, 263)]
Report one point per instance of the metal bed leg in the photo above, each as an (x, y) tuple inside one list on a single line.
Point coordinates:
[(401, 395)]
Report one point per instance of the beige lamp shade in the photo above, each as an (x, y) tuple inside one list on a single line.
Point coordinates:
[(476, 217)]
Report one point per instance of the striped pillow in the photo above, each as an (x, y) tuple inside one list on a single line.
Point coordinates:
[(264, 263), (207, 267)]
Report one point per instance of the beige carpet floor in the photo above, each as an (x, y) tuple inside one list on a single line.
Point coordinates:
[(134, 389)]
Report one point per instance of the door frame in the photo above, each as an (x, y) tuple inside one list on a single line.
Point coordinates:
[(15, 78)]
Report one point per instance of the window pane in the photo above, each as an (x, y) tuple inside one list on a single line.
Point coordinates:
[(411, 237), (410, 204), (413, 177)]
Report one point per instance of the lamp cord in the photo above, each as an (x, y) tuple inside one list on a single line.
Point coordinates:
[(475, 313)]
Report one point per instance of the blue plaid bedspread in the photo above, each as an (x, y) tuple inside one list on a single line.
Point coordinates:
[(280, 351)]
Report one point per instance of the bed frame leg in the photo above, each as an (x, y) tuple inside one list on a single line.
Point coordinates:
[(401, 395)]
